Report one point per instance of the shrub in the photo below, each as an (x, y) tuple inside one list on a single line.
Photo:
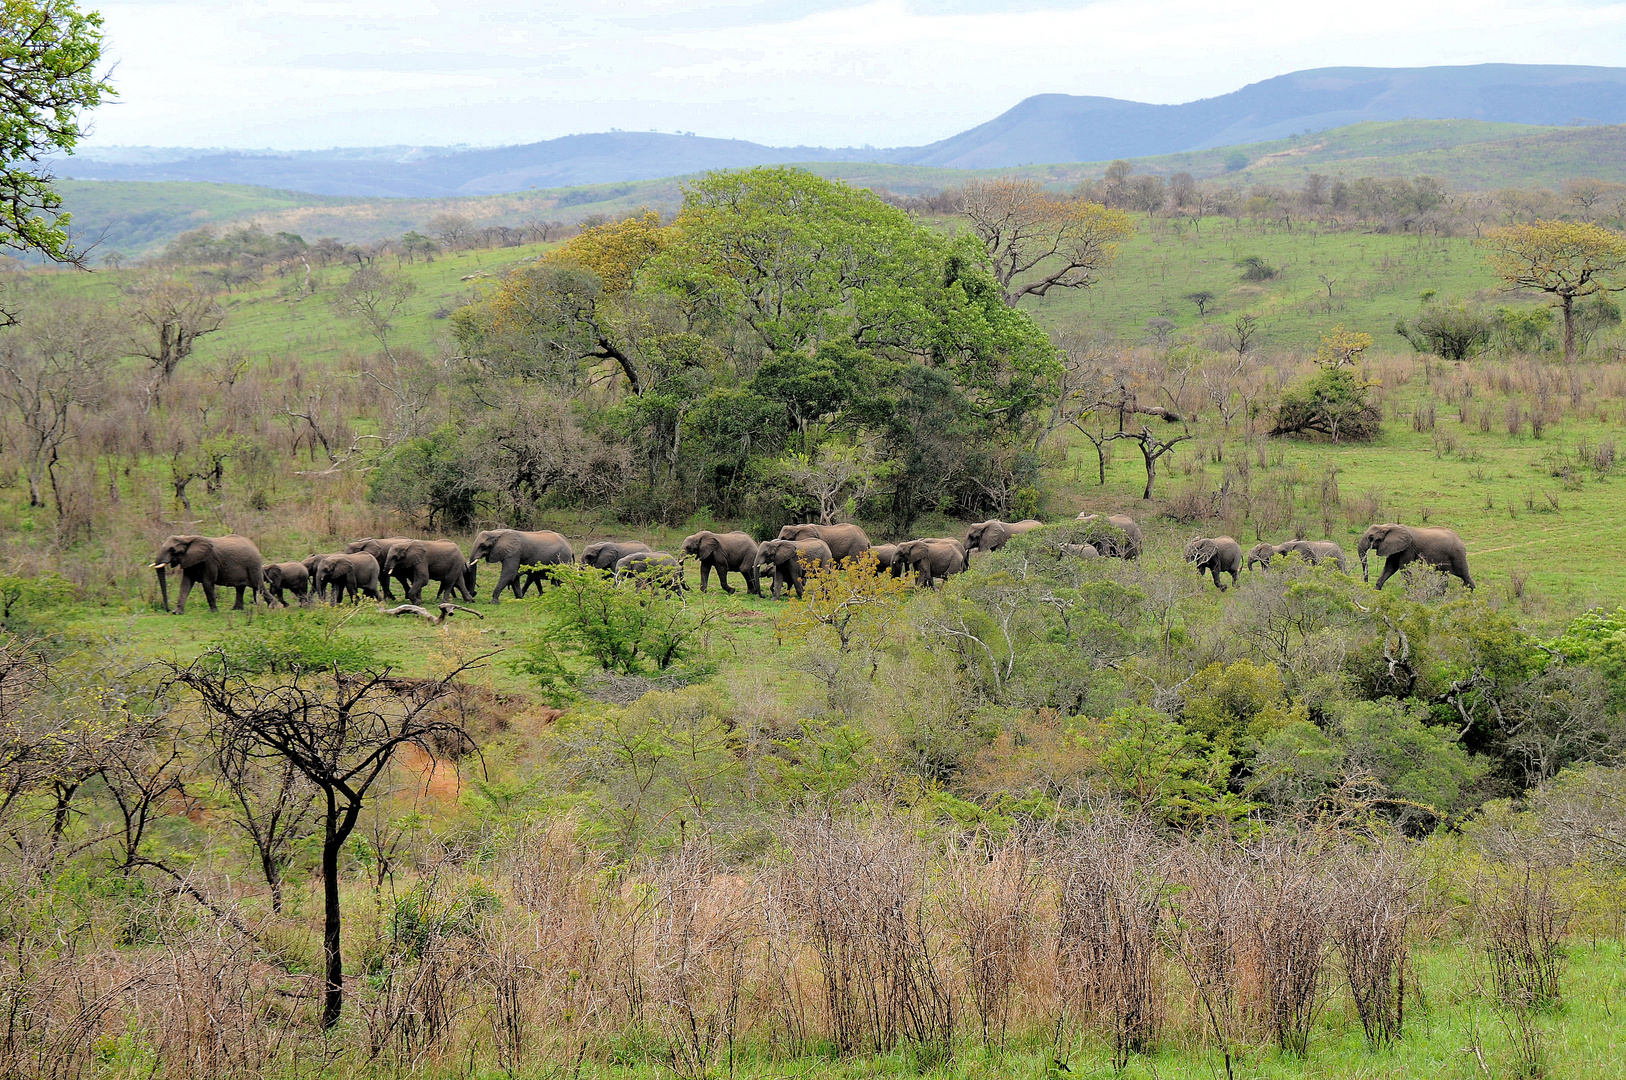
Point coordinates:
[(1333, 402), (1450, 331), (1255, 268)]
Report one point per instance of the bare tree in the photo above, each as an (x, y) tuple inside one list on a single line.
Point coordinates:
[(833, 475), (1152, 447), (452, 230), (375, 299), (275, 808), (1045, 240), (171, 315)]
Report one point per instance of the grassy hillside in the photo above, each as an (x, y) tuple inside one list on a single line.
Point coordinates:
[(138, 218)]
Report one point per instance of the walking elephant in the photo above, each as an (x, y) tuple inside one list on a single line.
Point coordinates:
[(229, 561), (604, 554), (844, 541), (652, 568), (1314, 552), (286, 575), (378, 548), (1116, 535), (1440, 547), (886, 560), (724, 552), (514, 549), (415, 563), (347, 572), (994, 534), (1216, 555), (786, 557), (933, 558)]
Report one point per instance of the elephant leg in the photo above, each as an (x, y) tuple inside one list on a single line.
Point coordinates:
[(239, 605), (722, 579), (753, 580), (796, 580), (505, 579), (1390, 565), (705, 575), (209, 593), (182, 593)]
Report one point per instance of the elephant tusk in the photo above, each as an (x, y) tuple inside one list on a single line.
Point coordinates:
[(159, 566)]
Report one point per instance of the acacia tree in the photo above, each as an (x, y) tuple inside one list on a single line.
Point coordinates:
[(172, 315), (1045, 240), (48, 56), (1567, 260), (341, 731)]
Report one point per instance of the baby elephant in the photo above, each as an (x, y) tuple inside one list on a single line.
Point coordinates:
[(1215, 555), (1314, 552), (286, 575), (651, 568), (789, 558)]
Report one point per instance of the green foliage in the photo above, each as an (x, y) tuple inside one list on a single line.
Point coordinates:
[(294, 641), (1524, 329), (1235, 706), (1332, 402), (429, 476), (49, 51), (1163, 770), (1255, 268), (597, 625), (420, 916), (26, 601), (1451, 331), (1424, 769), (1597, 639)]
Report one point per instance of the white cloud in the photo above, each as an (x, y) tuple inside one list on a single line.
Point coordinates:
[(306, 73)]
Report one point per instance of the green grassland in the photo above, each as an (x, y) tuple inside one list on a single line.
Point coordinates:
[(137, 218)]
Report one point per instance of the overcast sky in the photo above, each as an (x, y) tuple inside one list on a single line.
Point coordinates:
[(309, 74)]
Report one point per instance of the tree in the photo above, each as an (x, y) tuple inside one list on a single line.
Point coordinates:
[(50, 376), (1047, 241), (1202, 298), (1567, 260), (374, 299), (832, 475), (48, 56), (854, 601), (341, 730), (174, 313), (1152, 447), (452, 230)]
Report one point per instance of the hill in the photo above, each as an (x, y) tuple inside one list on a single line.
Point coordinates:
[(1043, 128)]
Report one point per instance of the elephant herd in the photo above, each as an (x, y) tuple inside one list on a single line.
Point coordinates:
[(1400, 545), (369, 566)]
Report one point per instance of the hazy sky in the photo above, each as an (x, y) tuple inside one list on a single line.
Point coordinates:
[(307, 74)]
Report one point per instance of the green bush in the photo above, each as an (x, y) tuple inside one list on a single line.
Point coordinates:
[(294, 641), (1331, 402)]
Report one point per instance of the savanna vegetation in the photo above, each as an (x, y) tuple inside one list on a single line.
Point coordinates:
[(1054, 815)]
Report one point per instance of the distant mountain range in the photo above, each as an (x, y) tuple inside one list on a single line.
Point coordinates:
[(1046, 128)]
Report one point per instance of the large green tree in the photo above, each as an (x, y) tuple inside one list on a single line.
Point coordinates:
[(49, 51)]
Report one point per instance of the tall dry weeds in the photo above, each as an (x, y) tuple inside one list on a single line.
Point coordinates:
[(1377, 896), (990, 898)]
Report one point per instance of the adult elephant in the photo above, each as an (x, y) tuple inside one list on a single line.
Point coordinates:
[(604, 554), (933, 557), (1441, 548), (415, 563), (786, 557), (994, 534), (1215, 555), (653, 568), (1314, 552), (886, 560), (286, 575), (724, 552), (378, 548), (844, 541), (347, 572), (1116, 535), (230, 561), (514, 549)]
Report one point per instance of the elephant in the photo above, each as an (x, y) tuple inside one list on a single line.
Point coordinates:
[(1401, 544), (231, 561), (886, 560), (1313, 552), (604, 554), (286, 575), (1081, 551), (1116, 535), (415, 563), (994, 534), (844, 541), (1217, 555), (514, 549), (933, 557), (378, 548), (349, 572), (723, 552), (787, 556), (651, 568)]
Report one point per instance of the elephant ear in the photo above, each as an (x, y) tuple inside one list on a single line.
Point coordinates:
[(709, 546), (1396, 540), (197, 550)]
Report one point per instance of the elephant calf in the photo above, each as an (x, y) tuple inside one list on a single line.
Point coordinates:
[(1441, 548), (1216, 555), (653, 568), (1314, 552), (378, 548), (604, 554), (886, 560), (286, 575), (723, 552), (1081, 551), (933, 558), (1116, 535), (232, 561), (349, 572), (789, 558), (994, 534)]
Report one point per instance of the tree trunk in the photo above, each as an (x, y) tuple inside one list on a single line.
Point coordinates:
[(333, 993), (1568, 304)]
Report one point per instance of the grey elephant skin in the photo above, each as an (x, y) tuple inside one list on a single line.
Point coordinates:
[(844, 541), (230, 561), (1440, 547), (725, 552), (514, 549), (1115, 535), (786, 558), (886, 560), (994, 534), (1215, 555), (604, 554), (1081, 551), (291, 576), (1314, 552), (652, 568), (415, 563), (346, 573), (378, 548), (933, 558)]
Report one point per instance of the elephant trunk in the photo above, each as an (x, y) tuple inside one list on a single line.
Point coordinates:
[(1362, 550), (163, 583)]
